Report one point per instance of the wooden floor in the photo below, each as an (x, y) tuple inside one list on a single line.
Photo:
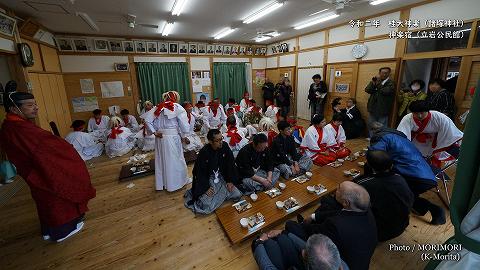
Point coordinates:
[(139, 228)]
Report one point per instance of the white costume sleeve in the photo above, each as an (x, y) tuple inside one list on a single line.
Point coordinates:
[(133, 122), (310, 140), (342, 138), (406, 126), (182, 119), (91, 124), (448, 133)]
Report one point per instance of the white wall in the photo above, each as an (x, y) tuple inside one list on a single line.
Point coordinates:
[(379, 49), (7, 45), (272, 62), (199, 63), (259, 63), (159, 59), (84, 63), (446, 9), (312, 40), (231, 60), (384, 28), (311, 58), (287, 60), (340, 54), (343, 33), (303, 84)]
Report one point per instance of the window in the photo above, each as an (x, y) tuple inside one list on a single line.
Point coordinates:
[(439, 39)]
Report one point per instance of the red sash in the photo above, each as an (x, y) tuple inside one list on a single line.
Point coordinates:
[(115, 132), (235, 138), (322, 146), (98, 121), (423, 137), (271, 135), (167, 104)]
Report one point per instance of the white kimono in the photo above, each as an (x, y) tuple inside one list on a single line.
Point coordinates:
[(122, 144), (85, 144), (132, 123), (92, 124), (340, 137), (243, 105), (213, 121), (195, 141), (440, 128), (271, 112), (145, 142), (170, 166), (310, 141), (249, 109), (236, 148)]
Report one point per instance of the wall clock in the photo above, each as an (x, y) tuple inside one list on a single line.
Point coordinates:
[(26, 54), (359, 51)]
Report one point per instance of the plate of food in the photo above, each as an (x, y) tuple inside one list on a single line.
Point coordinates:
[(351, 172), (274, 192), (242, 205), (352, 158), (255, 221), (335, 164), (301, 179), (319, 189), (290, 204)]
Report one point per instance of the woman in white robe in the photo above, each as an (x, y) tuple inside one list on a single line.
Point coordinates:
[(168, 121), (235, 137), (316, 140), (190, 140), (336, 129), (83, 142), (120, 139), (215, 117), (98, 125)]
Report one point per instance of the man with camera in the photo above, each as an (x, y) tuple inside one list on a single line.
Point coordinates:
[(382, 95)]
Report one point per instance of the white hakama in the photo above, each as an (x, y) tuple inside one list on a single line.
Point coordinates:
[(85, 144), (435, 136), (170, 166), (195, 141), (122, 144)]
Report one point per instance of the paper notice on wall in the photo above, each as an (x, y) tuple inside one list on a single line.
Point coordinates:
[(199, 83), (87, 86), (112, 89), (84, 104)]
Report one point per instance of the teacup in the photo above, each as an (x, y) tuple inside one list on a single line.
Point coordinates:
[(279, 204), (282, 185), (244, 222), (253, 196)]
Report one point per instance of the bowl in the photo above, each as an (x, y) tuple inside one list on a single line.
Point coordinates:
[(279, 204), (311, 189), (341, 160), (253, 196), (309, 174), (282, 185), (346, 173), (361, 163), (244, 222)]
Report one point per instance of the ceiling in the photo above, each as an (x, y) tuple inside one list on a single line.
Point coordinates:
[(200, 19)]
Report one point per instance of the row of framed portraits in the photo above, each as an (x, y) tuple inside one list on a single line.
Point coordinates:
[(161, 47)]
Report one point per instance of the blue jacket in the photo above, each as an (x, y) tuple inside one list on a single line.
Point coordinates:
[(407, 160)]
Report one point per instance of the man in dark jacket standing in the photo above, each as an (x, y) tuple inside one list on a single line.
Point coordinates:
[(268, 91), (382, 95), (317, 95)]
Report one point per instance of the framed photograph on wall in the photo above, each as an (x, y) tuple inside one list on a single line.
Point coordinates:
[(249, 50), (163, 47), (80, 44), (173, 48), (182, 48), (342, 88), (219, 49), (263, 51), (202, 48), (234, 50), (274, 49), (100, 45), (121, 66), (128, 46), (242, 50), (227, 50), (115, 45), (7, 25), (152, 47), (64, 44), (285, 47), (192, 48), (210, 49), (140, 46)]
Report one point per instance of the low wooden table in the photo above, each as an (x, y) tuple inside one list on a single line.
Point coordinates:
[(327, 176)]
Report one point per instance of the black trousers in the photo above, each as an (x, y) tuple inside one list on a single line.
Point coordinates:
[(419, 186)]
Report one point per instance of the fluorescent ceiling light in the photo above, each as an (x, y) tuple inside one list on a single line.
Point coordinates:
[(378, 2), (178, 7), (167, 29), (224, 33), (318, 12), (88, 20), (270, 7), (263, 38), (324, 18)]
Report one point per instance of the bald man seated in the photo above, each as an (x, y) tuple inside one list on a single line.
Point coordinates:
[(347, 220)]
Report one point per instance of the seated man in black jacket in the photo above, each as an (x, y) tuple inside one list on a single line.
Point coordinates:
[(390, 196), (214, 176), (285, 156), (255, 168), (347, 220)]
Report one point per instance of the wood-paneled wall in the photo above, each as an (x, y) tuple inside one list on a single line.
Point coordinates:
[(72, 85)]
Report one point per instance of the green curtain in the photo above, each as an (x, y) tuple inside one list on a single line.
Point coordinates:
[(229, 81), (466, 191), (157, 78)]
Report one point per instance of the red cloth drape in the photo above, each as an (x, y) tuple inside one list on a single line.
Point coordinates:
[(166, 104)]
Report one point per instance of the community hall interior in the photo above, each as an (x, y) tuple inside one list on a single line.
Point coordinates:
[(253, 134)]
